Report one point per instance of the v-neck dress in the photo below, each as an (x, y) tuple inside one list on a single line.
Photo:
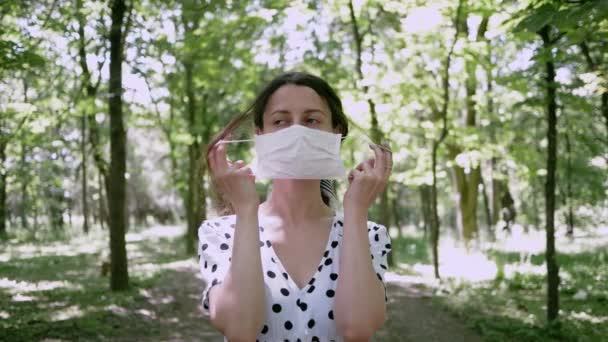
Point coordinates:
[(292, 314)]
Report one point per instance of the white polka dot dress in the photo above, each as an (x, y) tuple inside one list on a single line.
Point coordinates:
[(292, 314)]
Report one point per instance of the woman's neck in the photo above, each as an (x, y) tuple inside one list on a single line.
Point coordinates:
[(295, 201)]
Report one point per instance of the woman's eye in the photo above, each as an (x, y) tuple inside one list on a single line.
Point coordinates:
[(312, 121), (279, 122)]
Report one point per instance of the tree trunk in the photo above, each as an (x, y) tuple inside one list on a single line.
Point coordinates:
[(569, 196), (192, 194), (443, 116), (119, 277), (376, 133), (550, 253), (425, 205), (24, 183), (2, 190), (83, 147), (467, 181), (605, 109), (103, 210), (488, 213)]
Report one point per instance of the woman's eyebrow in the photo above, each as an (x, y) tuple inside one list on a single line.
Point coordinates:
[(316, 110), (307, 111)]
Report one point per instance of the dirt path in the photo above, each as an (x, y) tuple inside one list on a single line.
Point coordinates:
[(411, 317)]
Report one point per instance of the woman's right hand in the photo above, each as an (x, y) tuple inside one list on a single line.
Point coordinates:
[(235, 181)]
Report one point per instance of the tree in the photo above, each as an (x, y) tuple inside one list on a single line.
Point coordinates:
[(119, 278)]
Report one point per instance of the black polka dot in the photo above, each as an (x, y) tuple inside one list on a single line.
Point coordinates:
[(285, 276), (272, 259), (261, 244), (328, 262), (276, 308), (334, 244), (271, 274), (382, 266), (230, 259), (331, 314), (326, 254), (320, 268), (205, 246), (303, 306), (330, 293), (227, 235), (376, 237), (261, 228), (269, 244), (288, 325), (284, 292), (213, 268), (311, 288), (333, 276), (383, 253), (217, 224), (376, 228), (312, 281), (214, 282), (311, 323), (340, 223), (372, 256), (379, 276), (205, 263), (315, 339), (387, 246), (224, 246)]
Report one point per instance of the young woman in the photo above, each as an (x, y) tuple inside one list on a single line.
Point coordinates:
[(291, 268)]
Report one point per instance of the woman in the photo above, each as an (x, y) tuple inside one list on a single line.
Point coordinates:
[(291, 268)]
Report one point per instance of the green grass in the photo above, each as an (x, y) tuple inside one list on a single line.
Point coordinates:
[(58, 293), (511, 307)]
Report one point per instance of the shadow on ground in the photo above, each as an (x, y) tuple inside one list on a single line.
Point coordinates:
[(60, 296)]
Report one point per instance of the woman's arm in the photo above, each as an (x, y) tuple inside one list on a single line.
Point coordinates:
[(360, 306), (236, 305)]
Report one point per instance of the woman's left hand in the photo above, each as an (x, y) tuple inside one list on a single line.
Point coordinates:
[(368, 180)]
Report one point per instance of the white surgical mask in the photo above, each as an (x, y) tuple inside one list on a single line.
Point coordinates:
[(298, 152)]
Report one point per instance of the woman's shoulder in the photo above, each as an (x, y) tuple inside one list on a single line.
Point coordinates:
[(375, 230), (217, 224)]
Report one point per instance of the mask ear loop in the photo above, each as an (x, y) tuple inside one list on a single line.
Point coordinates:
[(234, 141), (367, 139)]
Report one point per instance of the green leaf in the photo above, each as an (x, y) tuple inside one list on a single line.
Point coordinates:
[(538, 19)]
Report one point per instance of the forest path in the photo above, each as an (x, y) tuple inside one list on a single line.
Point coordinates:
[(411, 316)]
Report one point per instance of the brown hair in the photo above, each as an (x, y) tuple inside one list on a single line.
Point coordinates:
[(256, 110)]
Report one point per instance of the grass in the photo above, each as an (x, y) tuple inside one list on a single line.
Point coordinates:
[(511, 305), (54, 290)]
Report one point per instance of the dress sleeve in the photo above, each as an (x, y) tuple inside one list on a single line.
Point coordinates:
[(380, 246), (214, 254)]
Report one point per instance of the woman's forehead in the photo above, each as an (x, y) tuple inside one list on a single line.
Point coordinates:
[(290, 98)]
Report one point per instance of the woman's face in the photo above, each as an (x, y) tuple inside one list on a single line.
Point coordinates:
[(294, 104)]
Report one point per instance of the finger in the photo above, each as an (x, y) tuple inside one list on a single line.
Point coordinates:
[(368, 166), (351, 176), (380, 161), (221, 161)]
